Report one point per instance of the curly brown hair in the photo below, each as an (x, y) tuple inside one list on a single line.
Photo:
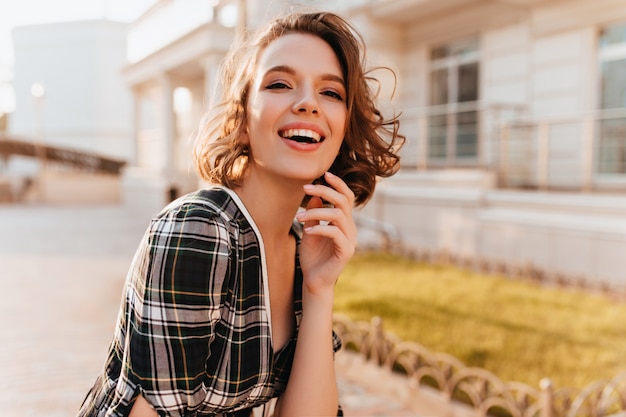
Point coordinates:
[(370, 145)]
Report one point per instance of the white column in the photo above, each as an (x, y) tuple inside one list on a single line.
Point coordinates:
[(588, 152), (137, 115), (242, 19), (168, 124), (422, 143), (543, 155)]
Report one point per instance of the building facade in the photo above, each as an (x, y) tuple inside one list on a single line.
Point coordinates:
[(69, 94), (515, 118), (68, 87)]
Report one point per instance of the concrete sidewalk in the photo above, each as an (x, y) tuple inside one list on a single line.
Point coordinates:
[(62, 270)]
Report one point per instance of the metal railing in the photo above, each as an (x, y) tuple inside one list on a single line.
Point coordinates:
[(477, 387), (454, 135), (83, 161), (577, 152)]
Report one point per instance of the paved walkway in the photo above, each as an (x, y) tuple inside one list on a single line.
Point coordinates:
[(61, 270)]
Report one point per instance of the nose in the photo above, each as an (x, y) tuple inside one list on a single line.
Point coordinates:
[(306, 102)]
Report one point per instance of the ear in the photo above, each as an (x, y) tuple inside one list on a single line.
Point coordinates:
[(244, 138)]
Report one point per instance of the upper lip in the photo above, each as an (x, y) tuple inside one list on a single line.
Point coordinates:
[(303, 126)]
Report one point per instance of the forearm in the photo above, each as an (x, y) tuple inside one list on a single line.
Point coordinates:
[(312, 387)]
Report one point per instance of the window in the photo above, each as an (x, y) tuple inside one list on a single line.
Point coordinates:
[(454, 86), (612, 127)]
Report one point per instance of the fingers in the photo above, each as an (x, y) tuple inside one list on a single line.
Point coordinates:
[(314, 203), (337, 193), (331, 221)]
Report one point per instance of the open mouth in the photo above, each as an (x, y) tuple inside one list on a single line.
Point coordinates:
[(302, 135)]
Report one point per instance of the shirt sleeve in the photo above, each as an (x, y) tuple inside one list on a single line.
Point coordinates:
[(173, 302), (337, 344)]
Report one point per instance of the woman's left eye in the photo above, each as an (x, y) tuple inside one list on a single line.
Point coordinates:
[(333, 94)]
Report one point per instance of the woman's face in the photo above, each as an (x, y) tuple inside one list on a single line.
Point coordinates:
[(296, 112)]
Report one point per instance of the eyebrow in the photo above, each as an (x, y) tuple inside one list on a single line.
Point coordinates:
[(289, 70)]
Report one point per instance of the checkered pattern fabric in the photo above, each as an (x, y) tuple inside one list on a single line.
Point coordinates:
[(194, 333)]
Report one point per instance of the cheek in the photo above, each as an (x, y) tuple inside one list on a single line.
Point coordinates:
[(261, 111)]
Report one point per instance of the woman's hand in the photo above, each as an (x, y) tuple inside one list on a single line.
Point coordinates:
[(328, 243), (329, 239)]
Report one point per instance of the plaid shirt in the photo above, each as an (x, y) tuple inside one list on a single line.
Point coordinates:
[(194, 331)]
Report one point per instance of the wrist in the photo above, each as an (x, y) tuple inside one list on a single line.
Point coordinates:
[(320, 298)]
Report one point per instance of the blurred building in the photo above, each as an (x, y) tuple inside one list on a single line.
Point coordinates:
[(69, 93), (85, 103)]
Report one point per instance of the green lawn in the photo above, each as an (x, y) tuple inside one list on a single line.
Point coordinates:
[(516, 329)]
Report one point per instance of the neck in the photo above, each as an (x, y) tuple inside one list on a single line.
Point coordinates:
[(272, 205)]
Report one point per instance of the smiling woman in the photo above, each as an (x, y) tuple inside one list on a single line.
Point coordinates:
[(228, 303)]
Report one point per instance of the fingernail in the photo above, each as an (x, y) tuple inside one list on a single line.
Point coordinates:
[(308, 229), (308, 187), (299, 215), (330, 174)]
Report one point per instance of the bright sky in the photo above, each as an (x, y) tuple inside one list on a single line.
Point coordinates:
[(28, 12)]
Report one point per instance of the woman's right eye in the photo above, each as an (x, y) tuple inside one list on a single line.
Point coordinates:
[(276, 85)]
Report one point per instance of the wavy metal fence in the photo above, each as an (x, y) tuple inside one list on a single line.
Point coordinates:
[(477, 387)]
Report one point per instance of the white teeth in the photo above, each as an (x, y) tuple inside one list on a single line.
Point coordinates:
[(289, 133)]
